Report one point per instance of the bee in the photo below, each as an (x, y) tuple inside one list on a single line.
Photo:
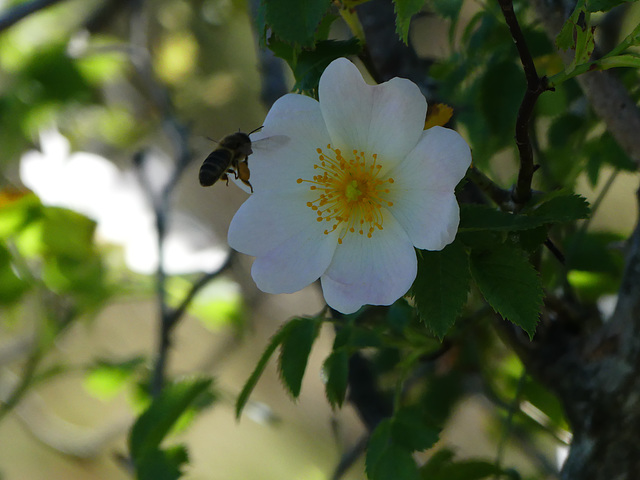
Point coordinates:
[(231, 156)]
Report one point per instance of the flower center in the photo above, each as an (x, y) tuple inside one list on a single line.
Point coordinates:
[(351, 192)]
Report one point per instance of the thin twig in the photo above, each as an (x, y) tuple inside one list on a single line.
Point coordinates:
[(497, 194), (177, 313), (535, 86), (23, 10)]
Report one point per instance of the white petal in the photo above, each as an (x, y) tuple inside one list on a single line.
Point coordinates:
[(430, 218), (294, 264), (386, 119), (439, 160), (422, 194), (375, 271), (285, 149), (267, 220)]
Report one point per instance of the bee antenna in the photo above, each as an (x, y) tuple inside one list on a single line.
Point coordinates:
[(254, 131), (215, 141)]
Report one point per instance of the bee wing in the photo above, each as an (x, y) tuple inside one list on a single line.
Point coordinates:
[(270, 143)]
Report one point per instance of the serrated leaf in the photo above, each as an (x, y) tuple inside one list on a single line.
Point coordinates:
[(409, 429), (295, 351), (251, 382), (159, 418), (482, 217), (379, 441), (562, 208), (441, 286), (162, 464), (294, 21), (510, 285), (405, 9), (395, 463), (336, 369)]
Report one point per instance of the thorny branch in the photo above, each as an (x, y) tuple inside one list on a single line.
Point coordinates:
[(535, 86)]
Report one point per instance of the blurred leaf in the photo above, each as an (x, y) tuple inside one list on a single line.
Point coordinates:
[(405, 9), (308, 65), (395, 463), (162, 464), (336, 370), (510, 285), (441, 466), (295, 22), (159, 418), (12, 287), (502, 90), (447, 8), (275, 341), (106, 378), (68, 233), (441, 286), (17, 210), (594, 252), (410, 430), (52, 75), (295, 351), (378, 442), (604, 5)]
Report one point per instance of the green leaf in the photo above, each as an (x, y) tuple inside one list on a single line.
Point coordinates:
[(482, 217), (276, 340), (159, 418), (510, 285), (447, 8), (67, 233), (562, 207), (441, 286), (502, 88), (308, 65), (336, 369), (395, 463), (17, 210), (295, 352), (295, 22), (162, 464), (441, 466), (379, 441), (405, 9), (12, 287), (106, 378), (410, 430), (604, 5)]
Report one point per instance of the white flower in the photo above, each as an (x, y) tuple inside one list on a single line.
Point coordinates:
[(357, 187)]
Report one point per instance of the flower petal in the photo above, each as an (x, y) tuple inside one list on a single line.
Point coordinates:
[(267, 220), (422, 194), (386, 119), (430, 218), (293, 264), (439, 160), (285, 149), (375, 271)]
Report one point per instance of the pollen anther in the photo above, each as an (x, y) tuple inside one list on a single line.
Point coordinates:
[(351, 192)]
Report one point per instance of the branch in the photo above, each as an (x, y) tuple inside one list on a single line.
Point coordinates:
[(535, 86), (23, 10), (385, 54), (608, 97)]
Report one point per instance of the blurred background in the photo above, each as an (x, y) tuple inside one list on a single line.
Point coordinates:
[(107, 109)]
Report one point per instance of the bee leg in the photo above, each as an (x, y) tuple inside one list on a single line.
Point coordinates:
[(244, 173), (225, 177)]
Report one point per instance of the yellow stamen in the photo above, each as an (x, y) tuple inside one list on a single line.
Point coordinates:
[(351, 192)]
